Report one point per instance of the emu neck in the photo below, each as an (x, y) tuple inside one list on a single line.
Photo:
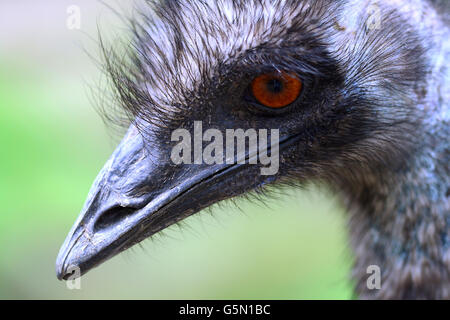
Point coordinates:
[(399, 213), (400, 222), (403, 227)]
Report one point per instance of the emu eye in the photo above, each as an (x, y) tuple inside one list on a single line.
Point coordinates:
[(276, 90)]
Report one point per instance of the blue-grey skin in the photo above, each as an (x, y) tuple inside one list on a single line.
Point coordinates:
[(372, 123)]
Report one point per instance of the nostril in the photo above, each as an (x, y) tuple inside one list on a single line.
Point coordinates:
[(112, 217)]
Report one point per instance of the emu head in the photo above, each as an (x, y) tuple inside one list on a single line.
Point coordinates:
[(334, 82)]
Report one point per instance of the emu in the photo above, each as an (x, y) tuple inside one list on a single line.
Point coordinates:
[(359, 90)]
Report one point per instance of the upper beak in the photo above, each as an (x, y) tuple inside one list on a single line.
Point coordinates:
[(138, 192)]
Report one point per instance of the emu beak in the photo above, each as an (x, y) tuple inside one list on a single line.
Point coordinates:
[(139, 192)]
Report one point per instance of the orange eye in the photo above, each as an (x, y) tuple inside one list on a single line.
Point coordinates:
[(276, 90)]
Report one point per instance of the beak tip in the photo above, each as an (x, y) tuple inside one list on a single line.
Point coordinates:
[(69, 260), (60, 269), (59, 274), (78, 255)]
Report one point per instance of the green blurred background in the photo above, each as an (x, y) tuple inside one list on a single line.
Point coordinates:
[(53, 143)]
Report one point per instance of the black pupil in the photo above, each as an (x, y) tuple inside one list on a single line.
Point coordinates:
[(274, 85)]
